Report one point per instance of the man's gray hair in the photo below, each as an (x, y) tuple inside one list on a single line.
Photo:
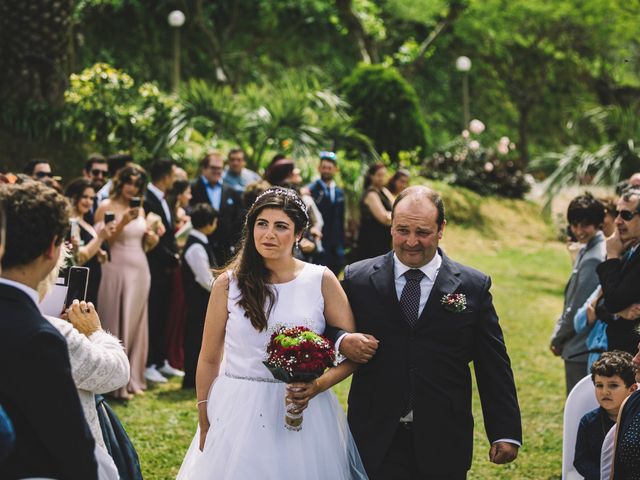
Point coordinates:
[(629, 193)]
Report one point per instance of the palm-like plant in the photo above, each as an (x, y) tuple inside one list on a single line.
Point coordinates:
[(295, 115), (612, 153)]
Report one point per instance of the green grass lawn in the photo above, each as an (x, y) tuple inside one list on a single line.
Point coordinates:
[(529, 271)]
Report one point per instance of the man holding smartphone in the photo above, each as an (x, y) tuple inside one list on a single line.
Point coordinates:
[(52, 438)]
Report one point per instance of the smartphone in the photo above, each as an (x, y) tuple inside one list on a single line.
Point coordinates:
[(75, 229), (109, 217), (135, 202), (77, 281)]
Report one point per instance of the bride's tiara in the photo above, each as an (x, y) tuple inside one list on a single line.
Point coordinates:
[(289, 195)]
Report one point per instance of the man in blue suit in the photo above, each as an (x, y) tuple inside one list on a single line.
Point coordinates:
[(37, 390), (330, 201)]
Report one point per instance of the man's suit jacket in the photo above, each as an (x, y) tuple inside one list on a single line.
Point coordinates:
[(431, 360), (619, 280), (226, 236), (332, 214), (39, 395), (582, 282), (165, 255)]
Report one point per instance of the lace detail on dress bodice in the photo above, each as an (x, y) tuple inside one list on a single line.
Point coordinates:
[(298, 303)]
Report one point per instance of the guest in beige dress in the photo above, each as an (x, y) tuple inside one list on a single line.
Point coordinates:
[(124, 289)]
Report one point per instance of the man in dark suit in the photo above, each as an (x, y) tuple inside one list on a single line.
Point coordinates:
[(329, 199), (410, 405), (163, 261), (37, 390), (209, 188), (619, 275)]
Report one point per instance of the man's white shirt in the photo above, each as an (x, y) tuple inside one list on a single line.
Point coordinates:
[(159, 194)]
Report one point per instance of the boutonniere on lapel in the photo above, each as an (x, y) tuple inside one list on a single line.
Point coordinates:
[(454, 302)]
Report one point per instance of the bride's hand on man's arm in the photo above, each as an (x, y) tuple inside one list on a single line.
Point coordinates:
[(359, 347)]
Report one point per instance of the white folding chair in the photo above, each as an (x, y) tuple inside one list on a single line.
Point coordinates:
[(581, 399)]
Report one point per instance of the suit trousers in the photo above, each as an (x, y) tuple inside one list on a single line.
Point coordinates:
[(159, 300), (401, 462), (194, 326), (573, 373)]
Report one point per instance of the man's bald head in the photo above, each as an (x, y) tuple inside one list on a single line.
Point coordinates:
[(420, 193)]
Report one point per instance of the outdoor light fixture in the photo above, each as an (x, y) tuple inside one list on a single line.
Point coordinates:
[(176, 20), (463, 64)]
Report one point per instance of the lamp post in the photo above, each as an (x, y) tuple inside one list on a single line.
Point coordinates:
[(176, 20), (463, 64)]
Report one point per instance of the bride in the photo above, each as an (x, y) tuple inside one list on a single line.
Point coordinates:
[(241, 407)]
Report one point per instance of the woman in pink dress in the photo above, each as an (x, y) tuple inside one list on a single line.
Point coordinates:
[(124, 289)]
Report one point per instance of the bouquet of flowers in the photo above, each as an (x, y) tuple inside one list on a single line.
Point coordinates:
[(297, 354)]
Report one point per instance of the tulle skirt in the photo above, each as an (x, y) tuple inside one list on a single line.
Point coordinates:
[(247, 438)]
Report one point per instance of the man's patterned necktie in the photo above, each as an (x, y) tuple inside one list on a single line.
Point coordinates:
[(410, 297)]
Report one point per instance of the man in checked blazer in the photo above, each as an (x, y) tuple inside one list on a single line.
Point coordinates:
[(36, 387), (410, 404)]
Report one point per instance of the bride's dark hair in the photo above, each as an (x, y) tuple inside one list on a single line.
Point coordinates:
[(257, 297)]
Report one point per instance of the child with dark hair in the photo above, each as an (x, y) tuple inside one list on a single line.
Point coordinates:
[(197, 280), (613, 376)]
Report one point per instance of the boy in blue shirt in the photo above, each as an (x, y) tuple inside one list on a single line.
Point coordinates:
[(613, 377)]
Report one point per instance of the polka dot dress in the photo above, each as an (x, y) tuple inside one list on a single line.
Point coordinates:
[(629, 452)]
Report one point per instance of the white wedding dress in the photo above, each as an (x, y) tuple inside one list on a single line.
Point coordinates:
[(247, 438)]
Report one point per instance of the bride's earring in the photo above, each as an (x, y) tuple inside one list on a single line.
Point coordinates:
[(297, 244)]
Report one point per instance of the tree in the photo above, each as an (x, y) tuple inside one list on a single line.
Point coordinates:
[(385, 108), (544, 55), (34, 38)]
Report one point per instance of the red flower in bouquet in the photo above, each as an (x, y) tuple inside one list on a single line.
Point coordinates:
[(297, 354)]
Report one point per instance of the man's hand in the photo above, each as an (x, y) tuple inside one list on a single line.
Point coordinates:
[(503, 452), (632, 312), (359, 347), (557, 351), (615, 246)]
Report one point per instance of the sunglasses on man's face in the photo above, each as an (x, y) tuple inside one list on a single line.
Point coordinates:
[(43, 174), (626, 215), (98, 173)]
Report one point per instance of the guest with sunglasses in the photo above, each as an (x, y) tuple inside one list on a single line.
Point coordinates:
[(620, 275), (96, 170), (38, 168)]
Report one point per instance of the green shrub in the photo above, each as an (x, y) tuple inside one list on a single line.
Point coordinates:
[(106, 112), (486, 170), (385, 108)]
